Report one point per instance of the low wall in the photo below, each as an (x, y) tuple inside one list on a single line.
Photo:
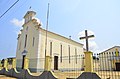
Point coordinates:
[(25, 74)]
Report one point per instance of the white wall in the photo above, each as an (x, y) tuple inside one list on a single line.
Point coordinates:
[(32, 50), (57, 41)]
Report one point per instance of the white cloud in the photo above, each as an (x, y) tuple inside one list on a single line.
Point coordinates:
[(92, 44), (17, 22), (18, 32), (38, 20)]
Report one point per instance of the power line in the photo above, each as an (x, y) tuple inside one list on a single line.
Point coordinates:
[(9, 9), (21, 6)]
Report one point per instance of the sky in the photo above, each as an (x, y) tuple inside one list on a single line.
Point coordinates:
[(67, 18)]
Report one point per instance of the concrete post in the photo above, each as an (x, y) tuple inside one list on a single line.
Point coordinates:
[(47, 63), (88, 62), (6, 63), (13, 63), (26, 63)]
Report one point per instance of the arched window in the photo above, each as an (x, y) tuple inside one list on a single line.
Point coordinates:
[(76, 55), (33, 41), (25, 41), (51, 49), (27, 28), (61, 52), (69, 52), (19, 45)]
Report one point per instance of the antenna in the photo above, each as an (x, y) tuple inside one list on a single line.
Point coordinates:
[(46, 30)]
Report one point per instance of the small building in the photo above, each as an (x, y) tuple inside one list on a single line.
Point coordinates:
[(66, 53), (110, 59)]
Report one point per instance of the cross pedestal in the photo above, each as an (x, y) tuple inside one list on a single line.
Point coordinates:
[(47, 63), (88, 62)]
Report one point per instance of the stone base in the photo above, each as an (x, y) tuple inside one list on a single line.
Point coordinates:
[(88, 75)]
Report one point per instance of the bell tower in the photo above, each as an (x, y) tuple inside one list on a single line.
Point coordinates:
[(29, 16)]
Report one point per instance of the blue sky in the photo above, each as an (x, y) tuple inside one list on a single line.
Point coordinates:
[(67, 18)]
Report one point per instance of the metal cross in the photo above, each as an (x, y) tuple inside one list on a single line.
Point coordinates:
[(30, 7), (86, 37)]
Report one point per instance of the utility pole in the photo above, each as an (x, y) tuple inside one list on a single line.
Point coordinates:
[(46, 30)]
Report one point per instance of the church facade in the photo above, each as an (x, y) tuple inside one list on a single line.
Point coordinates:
[(110, 59), (31, 44)]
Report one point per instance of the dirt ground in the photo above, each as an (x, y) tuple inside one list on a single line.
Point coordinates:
[(75, 74), (4, 77)]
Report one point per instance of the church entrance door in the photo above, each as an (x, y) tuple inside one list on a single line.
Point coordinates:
[(23, 61), (117, 66), (55, 62)]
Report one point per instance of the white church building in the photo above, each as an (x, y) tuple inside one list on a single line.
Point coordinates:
[(65, 52), (110, 59)]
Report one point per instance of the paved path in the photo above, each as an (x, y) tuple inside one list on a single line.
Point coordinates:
[(4, 77)]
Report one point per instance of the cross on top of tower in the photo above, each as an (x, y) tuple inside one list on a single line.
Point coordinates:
[(86, 37), (30, 7)]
